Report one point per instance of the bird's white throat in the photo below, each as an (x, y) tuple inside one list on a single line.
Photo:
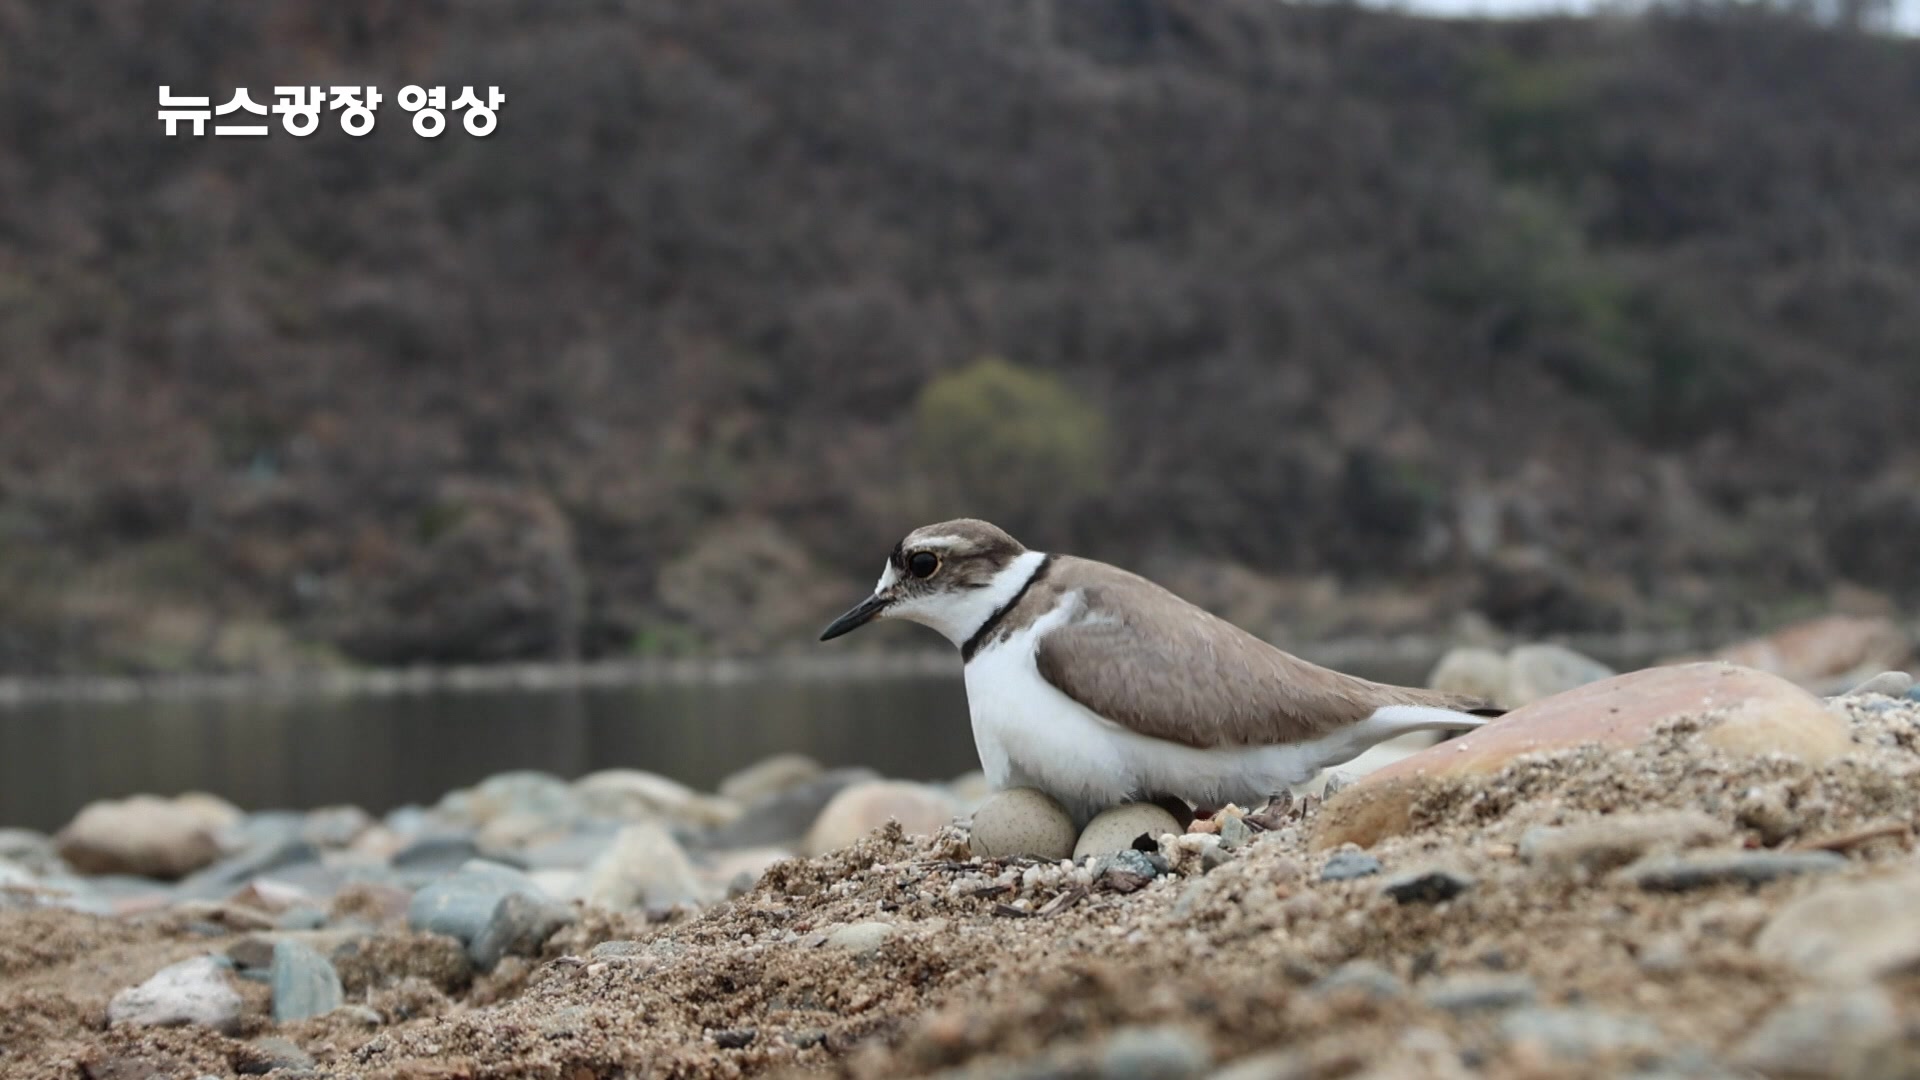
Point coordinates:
[(960, 615)]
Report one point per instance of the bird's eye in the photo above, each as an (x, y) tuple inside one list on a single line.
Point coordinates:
[(922, 564)]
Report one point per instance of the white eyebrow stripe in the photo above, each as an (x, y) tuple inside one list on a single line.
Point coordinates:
[(946, 542)]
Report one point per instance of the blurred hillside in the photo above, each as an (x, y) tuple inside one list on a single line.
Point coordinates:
[(1335, 320)]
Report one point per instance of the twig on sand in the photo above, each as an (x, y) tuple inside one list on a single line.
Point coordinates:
[(1844, 841)]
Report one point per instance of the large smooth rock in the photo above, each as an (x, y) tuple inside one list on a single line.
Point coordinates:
[(644, 867), (1849, 931), (31, 850), (192, 992), (304, 982), (919, 808), (1756, 713), (145, 836), (1849, 1033), (769, 776), (636, 795), (524, 791)]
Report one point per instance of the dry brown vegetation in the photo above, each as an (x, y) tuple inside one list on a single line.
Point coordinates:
[(1580, 323)]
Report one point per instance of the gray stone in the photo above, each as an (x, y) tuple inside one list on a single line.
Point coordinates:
[(1426, 886), (335, 826), (1471, 672), (608, 950), (1581, 1034), (1126, 861), (781, 820), (521, 791), (770, 776), (1153, 1053), (1347, 865), (1535, 672), (576, 850), (1363, 976), (461, 904), (304, 983), (643, 867), (1891, 684), (32, 851), (1476, 993), (1235, 832), (223, 877), (637, 795), (861, 938), (432, 854), (192, 992), (1681, 873), (1850, 1032), (519, 926)]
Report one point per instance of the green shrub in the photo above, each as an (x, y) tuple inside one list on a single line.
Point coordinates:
[(1006, 442)]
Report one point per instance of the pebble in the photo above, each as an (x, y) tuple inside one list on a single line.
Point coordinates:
[(1473, 672), (1680, 873), (145, 836), (1153, 1053), (644, 867), (1848, 931), (1824, 1033), (1537, 672), (1022, 822), (304, 983), (461, 904), (782, 819), (637, 795), (1124, 827), (921, 809), (192, 992), (1235, 832), (861, 938), (1578, 1033), (521, 791), (301, 917), (271, 856), (1426, 886), (1891, 684), (608, 950), (1595, 847), (1347, 865), (335, 826), (432, 854), (769, 776), (1476, 993), (31, 851), (519, 926), (1364, 976)]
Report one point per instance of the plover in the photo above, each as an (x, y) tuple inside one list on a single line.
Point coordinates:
[(1100, 687)]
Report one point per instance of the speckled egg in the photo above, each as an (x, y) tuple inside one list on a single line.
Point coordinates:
[(1022, 821), (1116, 829)]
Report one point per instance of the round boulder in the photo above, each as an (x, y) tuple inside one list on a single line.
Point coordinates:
[(862, 808)]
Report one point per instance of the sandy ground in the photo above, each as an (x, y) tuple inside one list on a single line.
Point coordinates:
[(1013, 969)]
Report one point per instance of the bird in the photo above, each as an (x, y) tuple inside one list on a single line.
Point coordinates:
[(1100, 687)]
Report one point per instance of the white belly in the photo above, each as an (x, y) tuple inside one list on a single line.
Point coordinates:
[(1029, 734)]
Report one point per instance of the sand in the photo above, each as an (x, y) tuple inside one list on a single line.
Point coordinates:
[(1008, 968)]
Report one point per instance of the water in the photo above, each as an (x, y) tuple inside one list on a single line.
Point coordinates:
[(384, 751)]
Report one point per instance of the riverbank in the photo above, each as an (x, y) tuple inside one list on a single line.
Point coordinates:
[(1704, 893)]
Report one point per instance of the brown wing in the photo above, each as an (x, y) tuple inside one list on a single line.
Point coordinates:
[(1144, 658)]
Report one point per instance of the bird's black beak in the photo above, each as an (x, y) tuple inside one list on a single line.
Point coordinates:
[(862, 613)]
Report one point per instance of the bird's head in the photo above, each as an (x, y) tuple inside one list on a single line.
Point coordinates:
[(951, 576)]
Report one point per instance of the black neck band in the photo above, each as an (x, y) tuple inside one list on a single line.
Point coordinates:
[(980, 636)]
